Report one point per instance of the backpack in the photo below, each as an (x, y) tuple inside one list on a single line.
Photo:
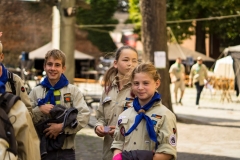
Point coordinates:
[(8, 145), (11, 82)]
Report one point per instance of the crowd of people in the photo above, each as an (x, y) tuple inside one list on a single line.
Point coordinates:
[(130, 117)]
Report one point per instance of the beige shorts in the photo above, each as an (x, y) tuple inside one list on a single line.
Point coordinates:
[(178, 85)]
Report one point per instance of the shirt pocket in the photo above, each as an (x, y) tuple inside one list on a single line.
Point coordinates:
[(107, 105), (157, 122)]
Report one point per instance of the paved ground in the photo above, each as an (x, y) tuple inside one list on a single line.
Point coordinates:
[(210, 132)]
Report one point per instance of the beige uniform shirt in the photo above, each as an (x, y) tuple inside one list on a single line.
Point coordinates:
[(164, 125), (20, 91), (77, 101), (198, 73), (111, 105), (177, 71), (26, 136)]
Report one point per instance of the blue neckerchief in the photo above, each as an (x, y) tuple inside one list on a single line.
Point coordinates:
[(50, 95), (4, 76), (141, 115), (2, 87)]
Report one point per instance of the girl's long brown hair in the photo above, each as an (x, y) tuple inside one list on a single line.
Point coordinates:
[(109, 76)]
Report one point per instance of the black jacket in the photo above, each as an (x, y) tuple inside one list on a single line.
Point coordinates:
[(59, 114)]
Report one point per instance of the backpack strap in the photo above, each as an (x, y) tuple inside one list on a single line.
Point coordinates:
[(7, 100), (11, 81)]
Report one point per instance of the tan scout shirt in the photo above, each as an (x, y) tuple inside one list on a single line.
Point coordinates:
[(164, 124), (21, 92), (26, 136), (77, 101), (198, 73), (111, 106), (177, 72)]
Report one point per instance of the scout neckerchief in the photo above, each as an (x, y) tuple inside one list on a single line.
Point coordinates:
[(50, 95), (4, 76), (141, 114)]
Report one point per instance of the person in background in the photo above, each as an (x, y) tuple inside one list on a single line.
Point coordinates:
[(147, 127), (55, 93), (13, 83), (198, 74), (177, 75), (27, 142), (116, 97)]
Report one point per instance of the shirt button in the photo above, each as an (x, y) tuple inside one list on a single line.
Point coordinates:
[(134, 143), (136, 129)]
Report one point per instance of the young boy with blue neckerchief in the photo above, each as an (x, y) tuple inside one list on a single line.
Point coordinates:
[(53, 91)]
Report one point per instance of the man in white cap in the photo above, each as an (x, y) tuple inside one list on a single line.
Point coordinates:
[(197, 75)]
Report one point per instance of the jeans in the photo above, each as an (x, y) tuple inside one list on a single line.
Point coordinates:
[(66, 154), (199, 91)]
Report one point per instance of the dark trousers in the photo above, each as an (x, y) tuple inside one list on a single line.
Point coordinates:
[(66, 154), (199, 91)]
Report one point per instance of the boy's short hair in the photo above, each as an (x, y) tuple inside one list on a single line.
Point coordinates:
[(56, 54)]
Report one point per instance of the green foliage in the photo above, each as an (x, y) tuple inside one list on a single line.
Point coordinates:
[(135, 15), (226, 29), (101, 12)]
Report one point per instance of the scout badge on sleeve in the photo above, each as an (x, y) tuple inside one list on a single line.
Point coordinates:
[(122, 131), (172, 138), (67, 97), (22, 89)]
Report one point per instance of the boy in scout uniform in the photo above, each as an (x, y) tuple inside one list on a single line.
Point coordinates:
[(18, 83), (147, 125), (24, 132), (117, 96), (56, 90), (177, 75)]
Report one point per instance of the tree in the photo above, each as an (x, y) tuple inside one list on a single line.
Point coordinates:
[(154, 38), (101, 12), (223, 32)]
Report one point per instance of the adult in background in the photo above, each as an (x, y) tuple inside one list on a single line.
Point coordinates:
[(55, 93), (177, 75), (198, 73)]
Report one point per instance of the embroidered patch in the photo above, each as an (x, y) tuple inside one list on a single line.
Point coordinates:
[(156, 116), (22, 89), (119, 121), (67, 97), (122, 131), (174, 131), (173, 140), (154, 122)]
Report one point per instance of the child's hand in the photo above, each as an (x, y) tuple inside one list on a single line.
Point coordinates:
[(100, 131), (112, 130)]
